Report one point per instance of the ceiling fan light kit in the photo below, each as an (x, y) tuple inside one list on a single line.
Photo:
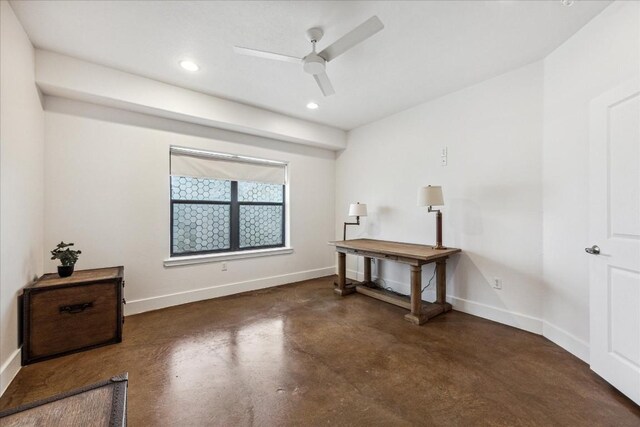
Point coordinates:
[(315, 63)]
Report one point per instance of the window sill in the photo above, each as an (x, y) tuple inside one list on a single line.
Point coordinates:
[(199, 259)]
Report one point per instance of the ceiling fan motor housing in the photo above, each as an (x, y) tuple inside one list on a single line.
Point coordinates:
[(313, 64)]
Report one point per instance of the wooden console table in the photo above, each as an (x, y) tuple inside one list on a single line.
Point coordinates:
[(406, 253)]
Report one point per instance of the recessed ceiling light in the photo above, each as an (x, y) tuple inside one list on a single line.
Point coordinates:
[(189, 65), (312, 106), (567, 2)]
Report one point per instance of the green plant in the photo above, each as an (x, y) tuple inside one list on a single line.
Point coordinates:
[(66, 256)]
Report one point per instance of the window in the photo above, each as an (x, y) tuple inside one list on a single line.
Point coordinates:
[(224, 203)]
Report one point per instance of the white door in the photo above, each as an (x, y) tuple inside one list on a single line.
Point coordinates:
[(615, 228)]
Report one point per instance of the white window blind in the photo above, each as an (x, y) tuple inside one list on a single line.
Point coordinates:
[(204, 164)]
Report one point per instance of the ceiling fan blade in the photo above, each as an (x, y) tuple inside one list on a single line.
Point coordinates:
[(324, 83), (266, 55), (352, 38)]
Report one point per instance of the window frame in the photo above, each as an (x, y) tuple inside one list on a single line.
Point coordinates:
[(234, 221)]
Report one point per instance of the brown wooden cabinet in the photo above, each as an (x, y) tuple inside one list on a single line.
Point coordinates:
[(63, 315)]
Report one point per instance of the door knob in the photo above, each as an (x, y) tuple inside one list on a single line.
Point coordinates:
[(593, 250)]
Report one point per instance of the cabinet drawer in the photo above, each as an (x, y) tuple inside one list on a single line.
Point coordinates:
[(67, 319)]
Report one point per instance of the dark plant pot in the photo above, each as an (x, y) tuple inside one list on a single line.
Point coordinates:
[(65, 270)]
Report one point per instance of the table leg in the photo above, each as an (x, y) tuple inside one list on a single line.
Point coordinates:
[(441, 284), (367, 270), (416, 315), (342, 288)]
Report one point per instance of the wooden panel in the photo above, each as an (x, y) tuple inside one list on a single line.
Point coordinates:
[(53, 331), (80, 276), (379, 248), (91, 315), (367, 269), (342, 288), (416, 286), (441, 280), (399, 300), (427, 311)]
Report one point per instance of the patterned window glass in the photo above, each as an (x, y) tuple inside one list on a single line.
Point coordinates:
[(259, 192), (187, 188), (261, 225), (200, 227), (213, 215)]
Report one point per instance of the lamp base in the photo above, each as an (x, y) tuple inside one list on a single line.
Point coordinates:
[(439, 231)]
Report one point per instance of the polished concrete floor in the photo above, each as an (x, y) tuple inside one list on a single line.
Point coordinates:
[(298, 355)]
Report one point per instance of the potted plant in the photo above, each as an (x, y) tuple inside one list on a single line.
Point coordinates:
[(68, 258)]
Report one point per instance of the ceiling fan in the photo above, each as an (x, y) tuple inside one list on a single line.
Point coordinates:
[(315, 63)]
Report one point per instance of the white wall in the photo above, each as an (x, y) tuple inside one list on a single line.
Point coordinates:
[(21, 183), (492, 189), (603, 54), (517, 182), (107, 190)]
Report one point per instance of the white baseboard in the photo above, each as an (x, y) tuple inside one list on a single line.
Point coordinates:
[(517, 320), (9, 370), (163, 301), (564, 339), (500, 315), (553, 333)]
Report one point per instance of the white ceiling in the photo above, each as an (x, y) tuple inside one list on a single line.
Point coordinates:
[(427, 49)]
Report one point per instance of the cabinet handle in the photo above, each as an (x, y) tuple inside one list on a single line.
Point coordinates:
[(75, 308)]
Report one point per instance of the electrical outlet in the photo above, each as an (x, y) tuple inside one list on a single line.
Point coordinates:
[(224, 266), (497, 283)]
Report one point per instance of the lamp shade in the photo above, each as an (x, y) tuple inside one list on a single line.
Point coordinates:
[(430, 196), (358, 209)]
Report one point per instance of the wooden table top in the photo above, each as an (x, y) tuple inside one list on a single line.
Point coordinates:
[(79, 276), (405, 250)]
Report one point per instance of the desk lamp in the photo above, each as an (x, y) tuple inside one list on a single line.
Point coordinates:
[(432, 196), (357, 210)]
